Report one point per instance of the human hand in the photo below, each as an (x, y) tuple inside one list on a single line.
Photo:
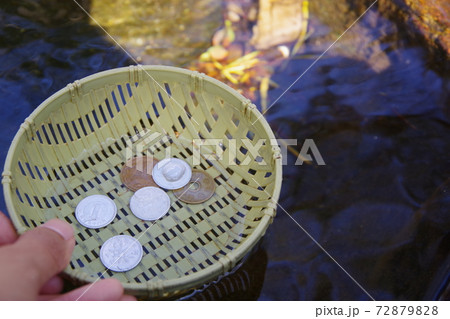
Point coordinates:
[(30, 264)]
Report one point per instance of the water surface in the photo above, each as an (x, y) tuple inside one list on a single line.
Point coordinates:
[(376, 106)]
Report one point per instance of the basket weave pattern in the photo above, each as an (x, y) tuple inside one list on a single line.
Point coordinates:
[(75, 144)]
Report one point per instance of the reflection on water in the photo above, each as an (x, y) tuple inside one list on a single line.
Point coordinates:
[(376, 107), (159, 32)]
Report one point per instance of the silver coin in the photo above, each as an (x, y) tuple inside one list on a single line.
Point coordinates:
[(96, 211), (121, 253), (172, 173), (150, 203)]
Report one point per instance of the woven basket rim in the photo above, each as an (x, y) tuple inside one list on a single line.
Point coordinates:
[(219, 267)]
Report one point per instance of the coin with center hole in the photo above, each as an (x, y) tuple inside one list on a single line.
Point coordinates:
[(150, 203), (137, 172), (121, 253), (96, 211), (172, 173), (199, 189)]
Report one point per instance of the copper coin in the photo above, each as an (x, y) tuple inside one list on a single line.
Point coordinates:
[(199, 189), (137, 172)]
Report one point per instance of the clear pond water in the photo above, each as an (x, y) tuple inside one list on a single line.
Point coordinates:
[(376, 106)]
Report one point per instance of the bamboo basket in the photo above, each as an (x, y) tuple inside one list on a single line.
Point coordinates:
[(76, 142)]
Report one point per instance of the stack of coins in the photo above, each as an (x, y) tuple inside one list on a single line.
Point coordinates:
[(172, 173), (143, 175)]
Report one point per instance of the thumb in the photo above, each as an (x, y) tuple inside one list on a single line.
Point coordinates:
[(34, 258)]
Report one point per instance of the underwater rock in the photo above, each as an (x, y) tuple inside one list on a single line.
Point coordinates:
[(159, 32), (279, 21), (431, 19)]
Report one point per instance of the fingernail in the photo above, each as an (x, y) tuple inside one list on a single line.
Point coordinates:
[(60, 227)]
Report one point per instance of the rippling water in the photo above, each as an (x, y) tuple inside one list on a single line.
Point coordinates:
[(377, 109)]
